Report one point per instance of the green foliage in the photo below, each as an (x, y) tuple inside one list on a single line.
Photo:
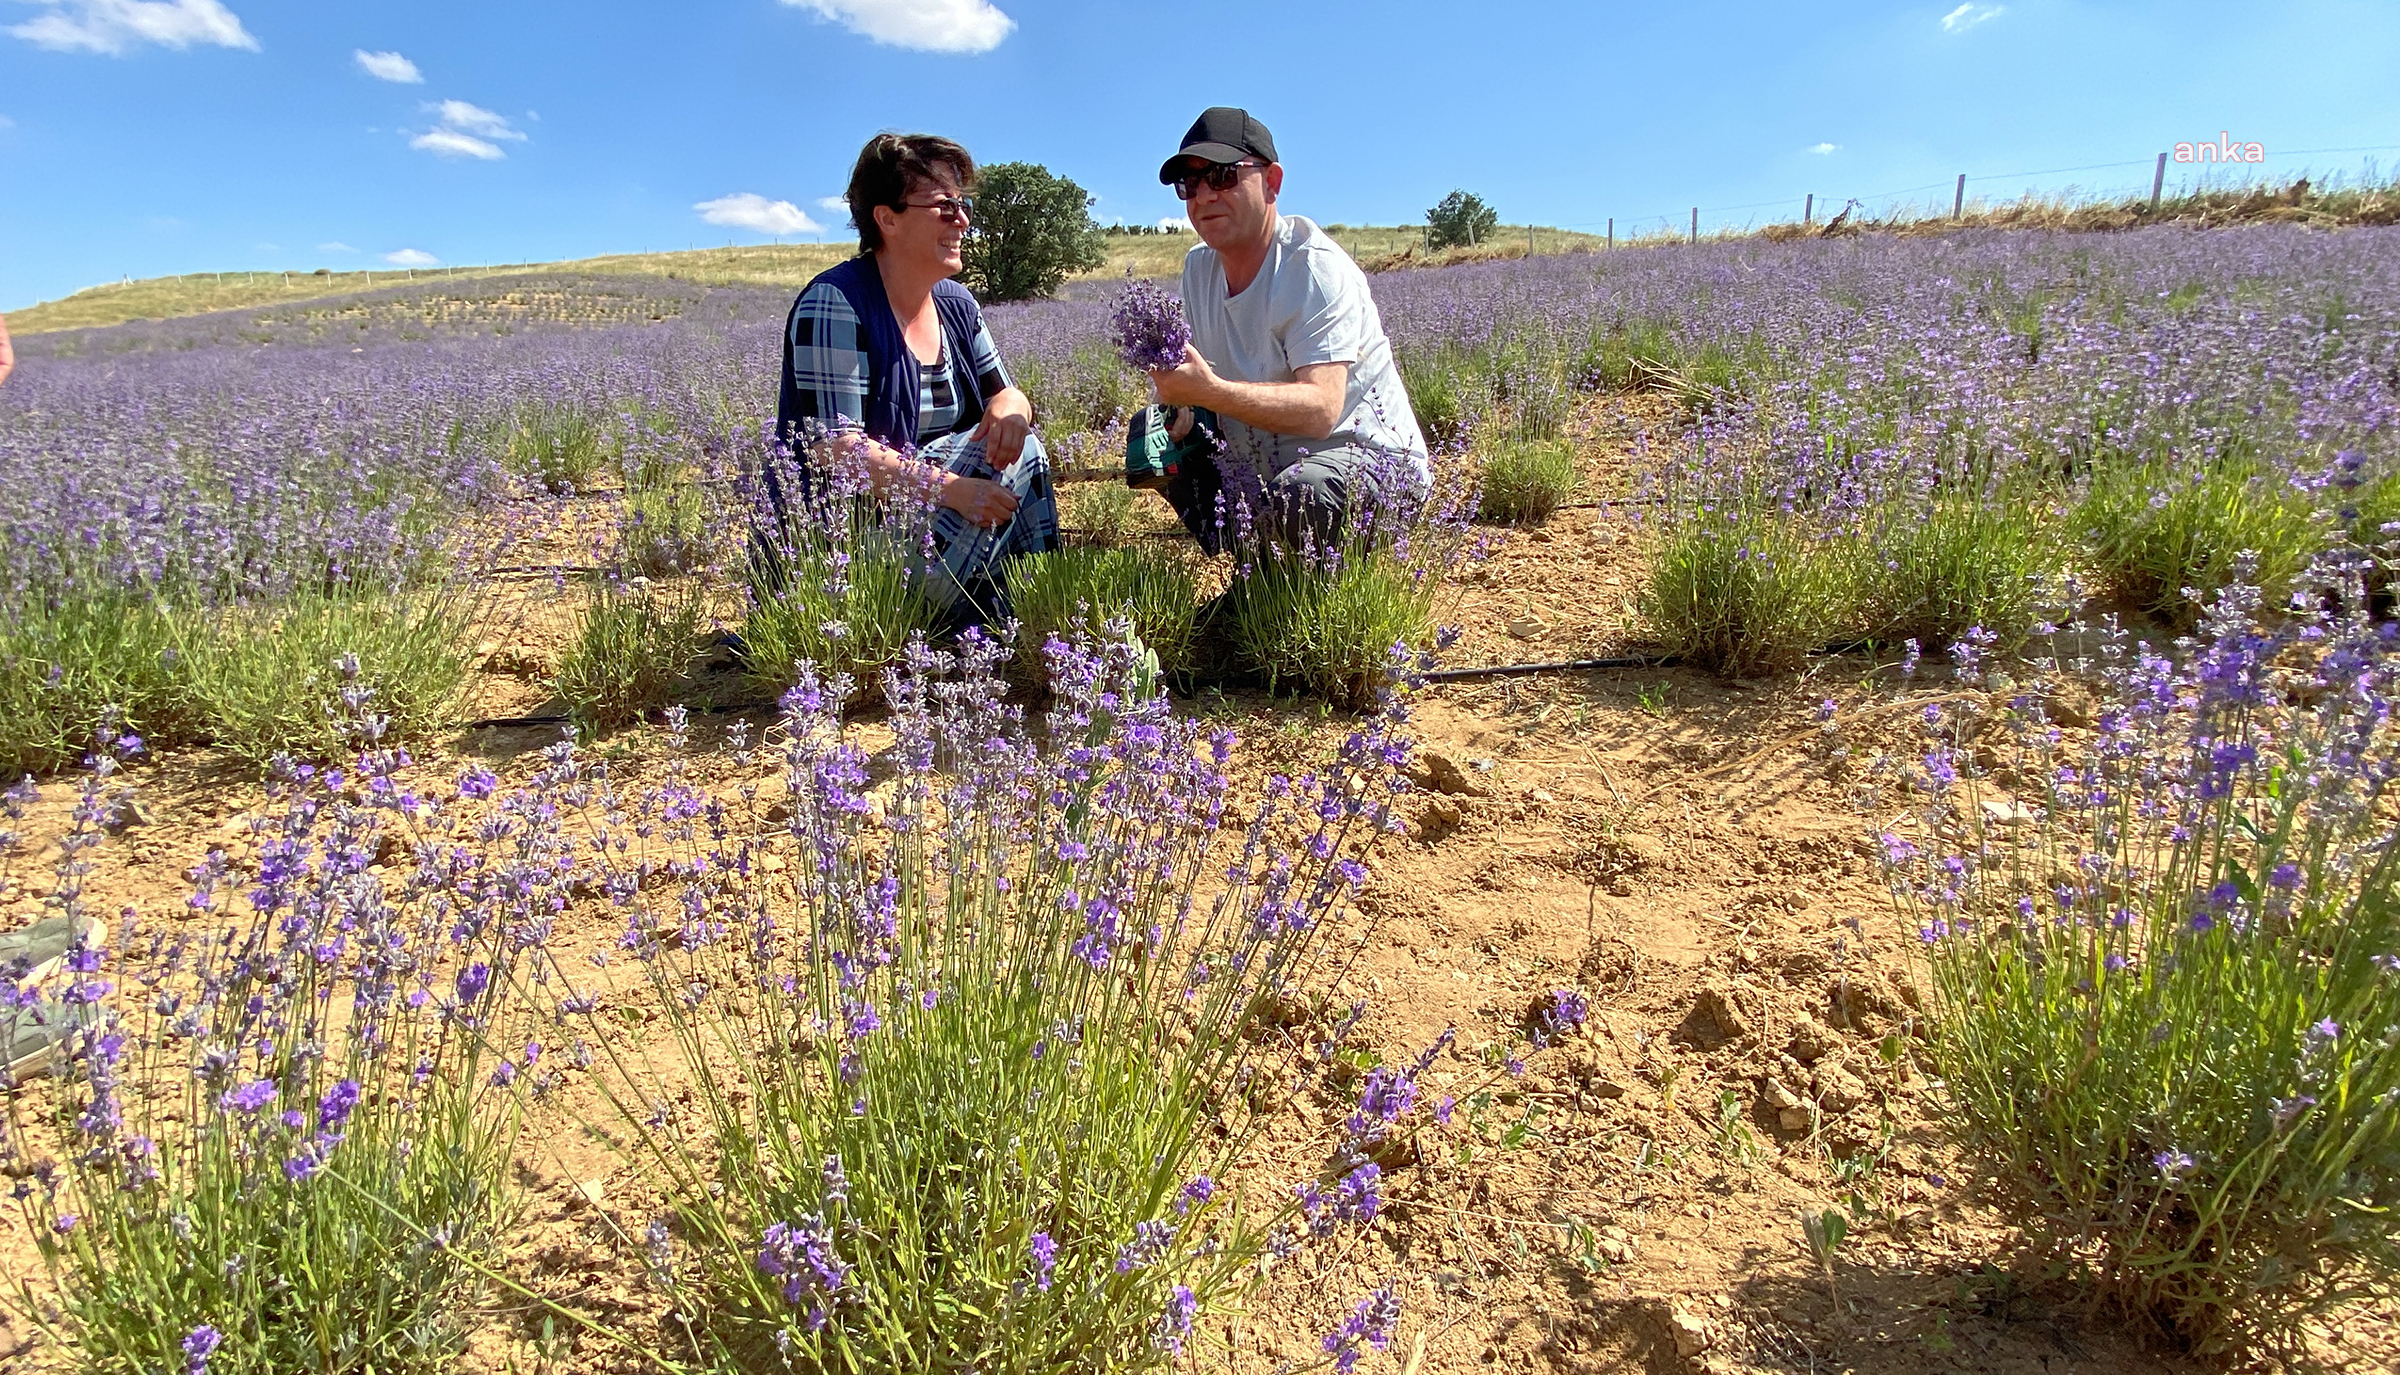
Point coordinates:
[(1436, 394), (1959, 561), (1524, 482), (1032, 230), (1745, 592), (269, 680), (2154, 532), (67, 663), (1461, 219), (848, 606), (1092, 391), (1100, 514), (1075, 593), (633, 650), (666, 529), (559, 446), (1327, 631)]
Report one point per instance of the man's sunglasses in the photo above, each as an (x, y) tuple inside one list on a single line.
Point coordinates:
[(959, 208), (1220, 176)]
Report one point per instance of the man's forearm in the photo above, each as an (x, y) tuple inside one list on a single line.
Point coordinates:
[(1303, 410)]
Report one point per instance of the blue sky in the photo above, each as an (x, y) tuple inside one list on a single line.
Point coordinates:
[(140, 137)]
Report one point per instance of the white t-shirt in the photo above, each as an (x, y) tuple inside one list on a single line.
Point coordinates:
[(1309, 304)]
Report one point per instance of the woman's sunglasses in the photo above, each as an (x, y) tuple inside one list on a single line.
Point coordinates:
[(959, 208), (1220, 176)]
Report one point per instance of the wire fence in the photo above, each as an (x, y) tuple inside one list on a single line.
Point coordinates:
[(1693, 218)]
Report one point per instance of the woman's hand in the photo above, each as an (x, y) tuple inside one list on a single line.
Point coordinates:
[(983, 502), (1002, 436)]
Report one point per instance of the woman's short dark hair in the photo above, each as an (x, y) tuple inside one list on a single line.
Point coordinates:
[(891, 166)]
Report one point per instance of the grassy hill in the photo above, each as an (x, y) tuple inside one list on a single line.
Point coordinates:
[(197, 293)]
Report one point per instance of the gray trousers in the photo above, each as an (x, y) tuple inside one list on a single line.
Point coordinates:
[(1310, 501)]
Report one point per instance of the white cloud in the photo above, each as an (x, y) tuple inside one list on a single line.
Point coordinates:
[(834, 205), (388, 67), (411, 257), (1821, 149), (942, 26), (474, 119), (113, 26), (466, 131), (450, 143), (1968, 16), (337, 246), (1181, 224), (754, 212)]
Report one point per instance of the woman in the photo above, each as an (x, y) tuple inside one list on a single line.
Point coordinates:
[(890, 376)]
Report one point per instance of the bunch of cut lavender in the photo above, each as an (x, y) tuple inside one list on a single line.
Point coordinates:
[(280, 1136), (1146, 324)]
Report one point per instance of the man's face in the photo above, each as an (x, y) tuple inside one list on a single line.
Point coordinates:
[(1237, 214)]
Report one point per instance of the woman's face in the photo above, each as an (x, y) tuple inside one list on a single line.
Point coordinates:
[(928, 228)]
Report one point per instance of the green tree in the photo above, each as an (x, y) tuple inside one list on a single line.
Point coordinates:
[(1461, 218), (1031, 230)]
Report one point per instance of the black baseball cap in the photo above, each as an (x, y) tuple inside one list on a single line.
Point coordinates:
[(1221, 134)]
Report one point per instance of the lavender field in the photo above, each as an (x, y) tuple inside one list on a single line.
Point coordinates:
[(2039, 581)]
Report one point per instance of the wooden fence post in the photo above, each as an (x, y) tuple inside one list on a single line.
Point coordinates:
[(1958, 203), (1695, 224), (1808, 210), (1612, 231), (2158, 183)]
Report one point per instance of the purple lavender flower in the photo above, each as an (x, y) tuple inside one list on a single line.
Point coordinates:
[(1045, 1259), (1370, 1325), (201, 1344), (802, 1255), (250, 1097)]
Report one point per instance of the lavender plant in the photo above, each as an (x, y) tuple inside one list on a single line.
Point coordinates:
[(1077, 593), (833, 576), (632, 652), (2166, 972), (281, 1131), (973, 1082)]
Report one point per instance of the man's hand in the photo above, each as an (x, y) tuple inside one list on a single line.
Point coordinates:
[(982, 501), (1002, 437), (1185, 418), (1191, 383)]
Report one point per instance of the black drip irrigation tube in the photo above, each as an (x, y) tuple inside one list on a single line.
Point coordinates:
[(1453, 675), (560, 718)]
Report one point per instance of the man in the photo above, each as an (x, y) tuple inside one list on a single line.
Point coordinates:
[(1287, 350)]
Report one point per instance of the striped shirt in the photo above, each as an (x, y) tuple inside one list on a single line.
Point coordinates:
[(830, 363)]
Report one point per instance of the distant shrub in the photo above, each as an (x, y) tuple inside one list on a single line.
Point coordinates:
[(291, 1151), (1032, 230), (1975, 559), (1745, 591), (1524, 482), (1327, 627), (70, 662), (2166, 1005), (1461, 219), (2155, 531), (632, 651), (272, 680), (1076, 593)]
